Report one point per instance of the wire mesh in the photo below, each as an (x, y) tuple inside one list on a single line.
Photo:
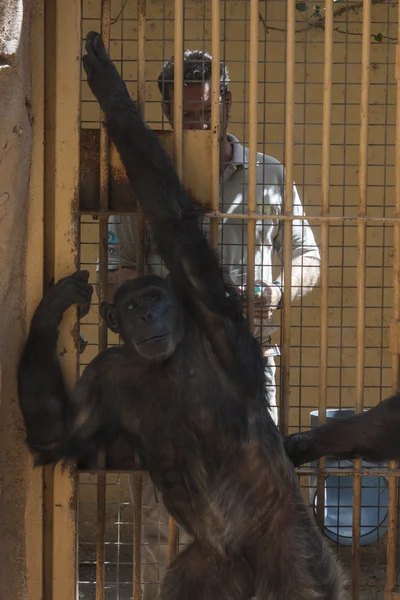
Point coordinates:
[(336, 232)]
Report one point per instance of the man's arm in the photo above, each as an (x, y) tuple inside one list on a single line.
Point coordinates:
[(306, 258), (305, 265)]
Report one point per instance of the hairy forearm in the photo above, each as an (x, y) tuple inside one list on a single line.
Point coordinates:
[(41, 392), (305, 276), (170, 211)]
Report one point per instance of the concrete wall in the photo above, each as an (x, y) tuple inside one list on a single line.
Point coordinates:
[(20, 488)]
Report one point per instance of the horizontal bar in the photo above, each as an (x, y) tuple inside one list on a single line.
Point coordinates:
[(218, 215), (329, 471)]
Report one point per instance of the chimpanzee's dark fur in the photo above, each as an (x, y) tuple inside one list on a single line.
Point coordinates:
[(187, 392), (373, 435)]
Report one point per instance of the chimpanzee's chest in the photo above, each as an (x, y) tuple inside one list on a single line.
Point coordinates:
[(189, 407)]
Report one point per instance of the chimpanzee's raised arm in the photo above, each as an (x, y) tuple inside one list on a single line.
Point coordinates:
[(372, 435), (59, 425), (193, 266)]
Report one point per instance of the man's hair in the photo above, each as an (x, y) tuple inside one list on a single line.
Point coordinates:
[(197, 66)]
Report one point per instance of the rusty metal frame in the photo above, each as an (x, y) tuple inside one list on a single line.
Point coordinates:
[(288, 213), (103, 293), (62, 129), (34, 272), (392, 538), (361, 283), (252, 186)]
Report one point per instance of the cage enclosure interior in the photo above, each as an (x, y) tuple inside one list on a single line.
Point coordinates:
[(312, 87)]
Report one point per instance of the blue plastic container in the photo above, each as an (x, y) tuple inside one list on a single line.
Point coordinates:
[(338, 513)]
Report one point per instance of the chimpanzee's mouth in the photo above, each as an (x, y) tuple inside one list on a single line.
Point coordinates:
[(154, 338)]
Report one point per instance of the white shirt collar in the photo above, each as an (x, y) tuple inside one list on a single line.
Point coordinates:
[(240, 158), (240, 153)]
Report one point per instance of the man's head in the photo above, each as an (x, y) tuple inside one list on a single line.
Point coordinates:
[(197, 98)]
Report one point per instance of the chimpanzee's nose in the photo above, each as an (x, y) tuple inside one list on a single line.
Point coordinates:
[(146, 316)]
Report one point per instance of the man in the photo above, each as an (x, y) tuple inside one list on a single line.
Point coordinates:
[(233, 239)]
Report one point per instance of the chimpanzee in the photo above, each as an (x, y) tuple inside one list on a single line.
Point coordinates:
[(186, 390)]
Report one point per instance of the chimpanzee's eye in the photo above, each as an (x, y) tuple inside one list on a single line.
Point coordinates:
[(155, 296), (132, 305)]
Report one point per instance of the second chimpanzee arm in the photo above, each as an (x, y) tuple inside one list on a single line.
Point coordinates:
[(372, 435)]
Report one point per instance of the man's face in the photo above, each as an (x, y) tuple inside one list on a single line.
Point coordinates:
[(197, 100)]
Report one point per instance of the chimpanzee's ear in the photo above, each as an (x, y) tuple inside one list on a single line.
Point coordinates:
[(108, 312)]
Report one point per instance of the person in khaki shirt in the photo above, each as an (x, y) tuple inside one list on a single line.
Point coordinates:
[(234, 162)]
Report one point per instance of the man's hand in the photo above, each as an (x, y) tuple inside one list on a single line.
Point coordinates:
[(266, 303), (267, 298)]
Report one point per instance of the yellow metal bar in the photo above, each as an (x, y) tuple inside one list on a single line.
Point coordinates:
[(137, 533), (252, 182), (137, 478), (361, 264), (288, 210), (63, 70), (34, 273), (178, 145), (328, 471), (104, 185), (178, 84), (103, 294), (49, 269), (392, 534), (141, 100), (313, 219), (326, 163), (141, 87), (215, 117), (310, 218)]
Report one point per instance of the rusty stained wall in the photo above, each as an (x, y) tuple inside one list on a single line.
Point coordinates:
[(21, 203)]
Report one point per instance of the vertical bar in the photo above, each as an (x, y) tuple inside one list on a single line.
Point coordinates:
[(141, 100), (49, 258), (137, 477), (62, 181), (137, 533), (252, 193), (100, 535), (361, 262), (34, 272), (215, 117), (392, 480), (103, 292), (288, 210), (178, 151), (326, 162), (178, 84), (104, 186)]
